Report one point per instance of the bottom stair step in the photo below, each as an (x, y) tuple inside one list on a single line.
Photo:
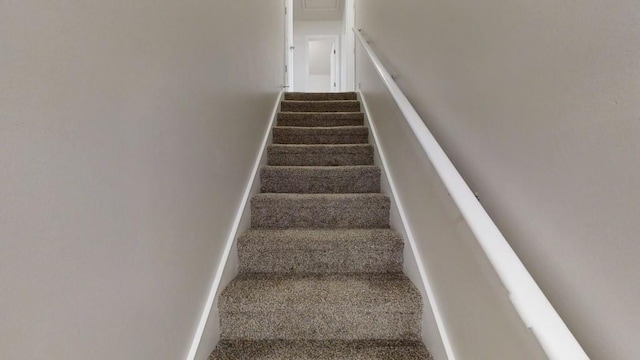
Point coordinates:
[(320, 350)]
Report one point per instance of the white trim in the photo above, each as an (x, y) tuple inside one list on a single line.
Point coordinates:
[(412, 241), (349, 47), (289, 46), (233, 234), (527, 298)]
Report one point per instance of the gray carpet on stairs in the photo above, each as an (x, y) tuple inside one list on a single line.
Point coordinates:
[(321, 106), (307, 119), (321, 350), (320, 179), (352, 307), (301, 96), (321, 135), (320, 155), (320, 251), (320, 270), (283, 211)]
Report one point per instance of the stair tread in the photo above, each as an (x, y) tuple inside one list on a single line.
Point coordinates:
[(321, 114), (321, 135), (320, 179), (320, 154), (312, 119), (320, 251), (320, 197), (320, 96), (322, 146), (322, 101), (321, 168), (320, 106), (320, 350), (317, 239), (356, 129), (286, 211), (356, 293)]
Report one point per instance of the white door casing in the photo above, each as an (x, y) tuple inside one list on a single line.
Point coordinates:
[(289, 47)]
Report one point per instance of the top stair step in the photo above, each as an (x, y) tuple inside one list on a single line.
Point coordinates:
[(320, 106), (308, 96)]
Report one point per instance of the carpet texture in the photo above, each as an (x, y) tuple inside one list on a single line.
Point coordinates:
[(320, 350), (320, 119), (320, 269), (319, 155), (320, 251), (285, 211), (320, 179), (321, 135), (300, 96), (321, 106)]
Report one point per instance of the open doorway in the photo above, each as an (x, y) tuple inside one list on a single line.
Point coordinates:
[(322, 63), (320, 47)]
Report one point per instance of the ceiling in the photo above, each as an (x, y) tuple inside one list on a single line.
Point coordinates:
[(318, 10)]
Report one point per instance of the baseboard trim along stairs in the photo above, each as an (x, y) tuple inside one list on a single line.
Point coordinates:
[(320, 271)]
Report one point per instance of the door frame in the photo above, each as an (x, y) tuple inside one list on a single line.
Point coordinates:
[(349, 52), (289, 47)]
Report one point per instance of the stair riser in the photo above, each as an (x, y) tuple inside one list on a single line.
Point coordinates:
[(280, 156), (320, 96), (353, 213), (283, 138), (306, 122), (320, 106), (354, 260), (311, 325), (320, 119), (292, 180)]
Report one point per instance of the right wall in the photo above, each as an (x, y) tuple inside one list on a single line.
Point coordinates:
[(536, 102)]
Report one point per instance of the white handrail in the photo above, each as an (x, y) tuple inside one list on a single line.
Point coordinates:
[(531, 304)]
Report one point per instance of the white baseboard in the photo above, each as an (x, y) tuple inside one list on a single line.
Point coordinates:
[(434, 333), (228, 268)]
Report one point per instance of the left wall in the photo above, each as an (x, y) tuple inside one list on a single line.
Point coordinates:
[(127, 134)]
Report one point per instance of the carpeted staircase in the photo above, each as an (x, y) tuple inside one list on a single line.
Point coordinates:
[(320, 270)]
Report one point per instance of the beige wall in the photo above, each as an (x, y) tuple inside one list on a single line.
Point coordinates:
[(127, 134), (536, 102), (478, 319)]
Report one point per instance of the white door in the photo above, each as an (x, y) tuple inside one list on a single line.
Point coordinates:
[(288, 45)]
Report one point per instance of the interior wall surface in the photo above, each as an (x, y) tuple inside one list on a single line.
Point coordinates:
[(536, 104), (128, 130)]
